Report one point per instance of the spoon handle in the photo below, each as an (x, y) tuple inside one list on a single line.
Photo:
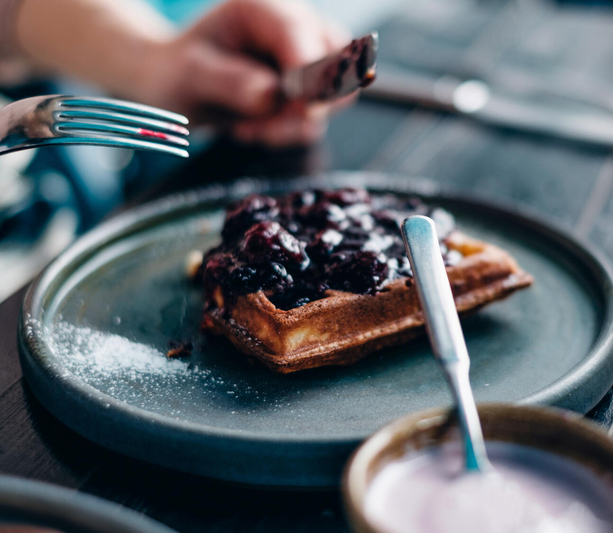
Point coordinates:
[(444, 330)]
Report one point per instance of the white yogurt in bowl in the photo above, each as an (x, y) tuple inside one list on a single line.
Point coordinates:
[(552, 473), (529, 491)]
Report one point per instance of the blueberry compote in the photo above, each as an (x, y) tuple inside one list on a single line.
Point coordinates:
[(297, 247)]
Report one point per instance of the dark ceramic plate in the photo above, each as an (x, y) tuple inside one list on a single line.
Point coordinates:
[(97, 323), (55, 509)]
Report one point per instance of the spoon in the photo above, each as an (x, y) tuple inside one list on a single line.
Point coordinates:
[(444, 330)]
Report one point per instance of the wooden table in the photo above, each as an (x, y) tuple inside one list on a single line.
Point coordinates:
[(569, 184)]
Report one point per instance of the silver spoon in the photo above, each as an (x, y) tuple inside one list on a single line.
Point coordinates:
[(444, 330)]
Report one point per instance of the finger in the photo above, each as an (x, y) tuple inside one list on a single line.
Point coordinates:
[(281, 131), (296, 124), (288, 134), (232, 81), (288, 30), (335, 35), (321, 110), (343, 102)]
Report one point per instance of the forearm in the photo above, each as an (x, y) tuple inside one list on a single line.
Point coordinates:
[(107, 42), (8, 18)]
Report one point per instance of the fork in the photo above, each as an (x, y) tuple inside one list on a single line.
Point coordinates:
[(61, 119)]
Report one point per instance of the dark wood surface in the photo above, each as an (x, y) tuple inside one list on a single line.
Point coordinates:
[(570, 184)]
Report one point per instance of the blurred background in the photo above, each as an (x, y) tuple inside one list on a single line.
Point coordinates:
[(48, 197)]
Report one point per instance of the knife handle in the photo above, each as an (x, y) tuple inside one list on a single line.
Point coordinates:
[(414, 88)]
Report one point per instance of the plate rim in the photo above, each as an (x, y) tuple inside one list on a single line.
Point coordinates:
[(41, 500), (146, 215)]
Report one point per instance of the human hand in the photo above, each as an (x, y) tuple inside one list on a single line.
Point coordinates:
[(225, 70)]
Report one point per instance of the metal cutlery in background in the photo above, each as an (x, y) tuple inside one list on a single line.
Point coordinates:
[(61, 120), (553, 114)]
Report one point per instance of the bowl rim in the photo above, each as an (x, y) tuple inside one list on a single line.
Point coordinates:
[(366, 459)]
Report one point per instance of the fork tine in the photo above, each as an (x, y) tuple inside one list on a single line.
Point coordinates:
[(121, 105), (117, 142), (74, 128), (133, 120)]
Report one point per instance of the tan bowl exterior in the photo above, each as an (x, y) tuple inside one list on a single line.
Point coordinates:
[(553, 430)]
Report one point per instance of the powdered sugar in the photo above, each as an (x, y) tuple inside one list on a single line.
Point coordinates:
[(86, 351), (210, 386)]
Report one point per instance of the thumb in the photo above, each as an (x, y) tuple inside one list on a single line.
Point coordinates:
[(291, 32), (235, 82)]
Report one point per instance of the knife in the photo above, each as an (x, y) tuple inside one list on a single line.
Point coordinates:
[(332, 77), (336, 75), (475, 98)]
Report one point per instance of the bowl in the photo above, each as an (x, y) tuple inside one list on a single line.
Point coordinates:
[(555, 431)]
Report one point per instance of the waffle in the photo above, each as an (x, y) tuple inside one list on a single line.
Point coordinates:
[(341, 326)]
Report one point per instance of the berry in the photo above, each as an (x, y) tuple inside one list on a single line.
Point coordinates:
[(324, 215), (297, 247), (244, 214), (268, 241), (348, 196), (361, 272)]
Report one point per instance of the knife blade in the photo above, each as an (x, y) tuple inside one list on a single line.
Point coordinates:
[(477, 99), (336, 75)]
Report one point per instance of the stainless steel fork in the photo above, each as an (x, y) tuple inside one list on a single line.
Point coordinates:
[(60, 119)]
